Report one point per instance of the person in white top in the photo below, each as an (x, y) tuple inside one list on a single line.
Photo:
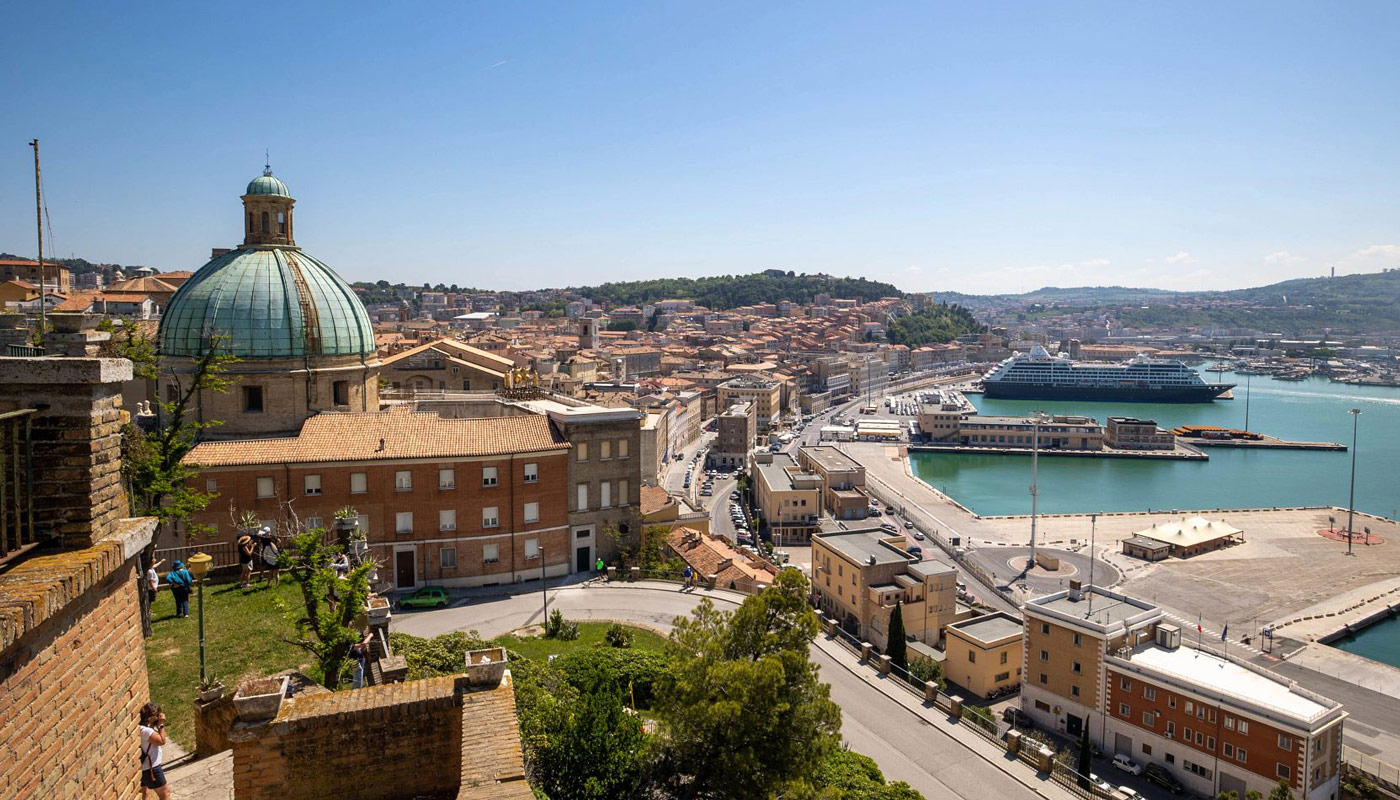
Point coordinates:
[(152, 742), (153, 581)]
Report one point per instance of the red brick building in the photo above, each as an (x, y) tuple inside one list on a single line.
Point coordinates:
[(455, 502)]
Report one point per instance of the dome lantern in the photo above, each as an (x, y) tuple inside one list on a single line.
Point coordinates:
[(267, 212)]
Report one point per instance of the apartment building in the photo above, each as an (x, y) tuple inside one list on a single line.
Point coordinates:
[(736, 427), (445, 364), (1129, 433), (858, 577), (983, 654), (457, 502), (1097, 658), (766, 395), (789, 498), (843, 481)]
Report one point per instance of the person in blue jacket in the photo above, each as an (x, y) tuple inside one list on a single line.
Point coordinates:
[(181, 582)]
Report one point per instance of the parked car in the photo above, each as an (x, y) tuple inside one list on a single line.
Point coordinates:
[(875, 512), (1100, 785), (1126, 764), (734, 495), (1017, 717), (1161, 776), (426, 597), (1126, 793)]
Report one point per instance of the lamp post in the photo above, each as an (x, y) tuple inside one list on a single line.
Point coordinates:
[(1037, 417), (544, 588), (1351, 500), (1246, 399), (199, 564)]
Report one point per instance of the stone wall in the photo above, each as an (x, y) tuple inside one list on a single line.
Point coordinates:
[(391, 741)]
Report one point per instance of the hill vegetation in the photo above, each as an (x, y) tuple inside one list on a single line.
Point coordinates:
[(940, 324), (724, 292)]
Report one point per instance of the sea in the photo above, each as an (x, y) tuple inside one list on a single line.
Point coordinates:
[(1314, 409)]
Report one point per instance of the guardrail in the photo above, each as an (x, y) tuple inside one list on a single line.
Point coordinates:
[(223, 553), (1385, 774)]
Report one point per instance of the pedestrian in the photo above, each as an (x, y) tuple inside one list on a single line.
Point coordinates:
[(598, 565), (245, 560), (152, 742), (359, 653), (181, 581), (341, 565), (152, 583), (688, 575), (271, 569)]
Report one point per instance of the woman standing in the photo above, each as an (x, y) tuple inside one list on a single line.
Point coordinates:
[(152, 742), (181, 581)]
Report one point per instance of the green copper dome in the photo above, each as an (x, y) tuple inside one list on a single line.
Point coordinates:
[(271, 302), (265, 184)]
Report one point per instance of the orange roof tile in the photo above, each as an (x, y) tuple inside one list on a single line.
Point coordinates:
[(386, 436)]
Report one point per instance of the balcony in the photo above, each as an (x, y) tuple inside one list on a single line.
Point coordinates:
[(17, 532)]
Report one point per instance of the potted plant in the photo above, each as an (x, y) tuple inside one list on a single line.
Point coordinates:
[(486, 667), (248, 522), (259, 699), (211, 689), (347, 526), (73, 321)]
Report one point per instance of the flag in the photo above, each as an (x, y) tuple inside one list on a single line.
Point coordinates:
[(1224, 631)]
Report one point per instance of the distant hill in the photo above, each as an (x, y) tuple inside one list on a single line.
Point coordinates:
[(941, 323), (730, 291), (1088, 296)]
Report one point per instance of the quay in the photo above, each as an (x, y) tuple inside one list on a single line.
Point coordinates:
[(1182, 452), (1264, 442)]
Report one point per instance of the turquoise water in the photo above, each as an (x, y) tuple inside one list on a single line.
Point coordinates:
[(1379, 642), (1312, 410)]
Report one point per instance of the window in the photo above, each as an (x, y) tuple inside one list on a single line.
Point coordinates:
[(605, 450), (1045, 628), (267, 487), (1074, 690), (1149, 692), (532, 512), (359, 482), (1189, 706), (583, 533), (1200, 712), (1171, 759), (312, 484), (447, 557), (1002, 676), (1171, 701), (1126, 684), (582, 497), (490, 553), (403, 480), (447, 519), (532, 472), (1044, 678), (1076, 668), (1171, 729), (605, 494), (1041, 705), (1200, 738), (1078, 640), (1147, 718), (583, 451), (1285, 742), (488, 476), (266, 224), (1124, 711), (1186, 734), (340, 393), (1210, 715), (1241, 755), (252, 400), (622, 493), (1044, 655), (532, 548), (211, 485), (447, 478), (490, 517), (621, 448), (1283, 772), (403, 522), (972, 657), (1244, 726), (1147, 749), (1003, 657)]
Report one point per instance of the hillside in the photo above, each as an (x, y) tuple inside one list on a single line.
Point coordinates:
[(941, 324), (730, 291)]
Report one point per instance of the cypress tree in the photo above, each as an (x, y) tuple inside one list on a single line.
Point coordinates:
[(1086, 752), (897, 649)]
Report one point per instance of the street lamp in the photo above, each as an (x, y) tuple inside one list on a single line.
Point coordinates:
[(1037, 417), (544, 587), (199, 564), (1351, 500)]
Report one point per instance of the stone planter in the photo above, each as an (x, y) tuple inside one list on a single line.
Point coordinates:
[(212, 693), (377, 609), (486, 667), (73, 321), (259, 699), (359, 548), (11, 321)]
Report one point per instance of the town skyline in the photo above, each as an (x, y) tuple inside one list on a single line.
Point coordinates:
[(970, 150)]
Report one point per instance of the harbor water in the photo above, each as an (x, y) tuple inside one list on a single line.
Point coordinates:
[(1378, 642), (1311, 410)]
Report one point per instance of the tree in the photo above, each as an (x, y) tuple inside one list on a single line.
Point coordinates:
[(853, 776), (325, 621), (898, 648), (1086, 755), (598, 753), (742, 712), (1281, 792)]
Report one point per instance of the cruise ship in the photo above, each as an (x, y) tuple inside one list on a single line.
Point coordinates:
[(1041, 376)]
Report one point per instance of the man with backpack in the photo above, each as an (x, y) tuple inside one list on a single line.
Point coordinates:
[(181, 583)]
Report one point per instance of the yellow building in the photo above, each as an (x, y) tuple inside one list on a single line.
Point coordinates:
[(983, 654), (860, 575), (789, 498), (766, 395)]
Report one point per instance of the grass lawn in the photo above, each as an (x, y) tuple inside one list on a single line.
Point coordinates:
[(243, 633), (590, 634)]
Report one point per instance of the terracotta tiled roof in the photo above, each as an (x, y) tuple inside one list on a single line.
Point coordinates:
[(708, 555), (654, 498), (386, 436)]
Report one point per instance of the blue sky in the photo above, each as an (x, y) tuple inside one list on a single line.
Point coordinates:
[(980, 147)]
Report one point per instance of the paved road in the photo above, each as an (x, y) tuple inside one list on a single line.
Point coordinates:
[(905, 746)]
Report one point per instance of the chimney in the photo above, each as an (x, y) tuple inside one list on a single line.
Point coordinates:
[(1076, 590), (724, 563), (74, 450)]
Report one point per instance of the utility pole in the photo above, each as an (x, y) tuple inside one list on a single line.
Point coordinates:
[(1351, 500), (1036, 418), (39, 224), (1093, 526), (544, 588), (1246, 400)]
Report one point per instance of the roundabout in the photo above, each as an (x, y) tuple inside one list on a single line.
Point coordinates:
[(1010, 566)]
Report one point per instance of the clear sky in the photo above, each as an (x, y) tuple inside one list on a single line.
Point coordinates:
[(972, 146)]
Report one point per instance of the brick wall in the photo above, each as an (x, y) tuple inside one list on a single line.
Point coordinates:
[(387, 741), (71, 688)]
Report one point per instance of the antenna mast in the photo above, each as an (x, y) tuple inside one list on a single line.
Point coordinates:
[(39, 224), (1093, 524)]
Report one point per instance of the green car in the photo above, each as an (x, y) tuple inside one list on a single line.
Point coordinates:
[(426, 597)]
